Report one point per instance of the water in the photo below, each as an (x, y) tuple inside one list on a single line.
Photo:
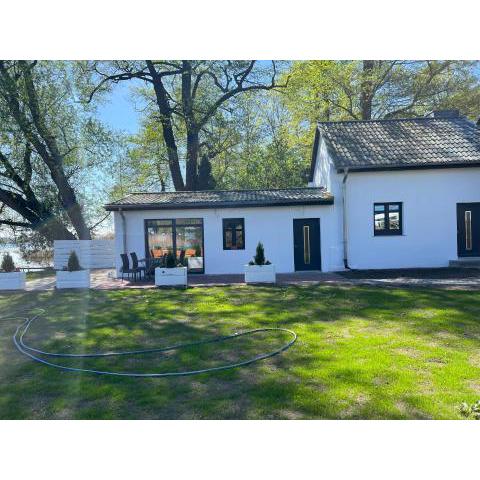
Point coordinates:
[(14, 251)]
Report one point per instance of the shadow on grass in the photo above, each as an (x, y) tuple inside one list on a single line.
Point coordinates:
[(322, 376)]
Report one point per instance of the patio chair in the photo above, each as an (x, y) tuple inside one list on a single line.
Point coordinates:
[(135, 266), (125, 269), (181, 258)]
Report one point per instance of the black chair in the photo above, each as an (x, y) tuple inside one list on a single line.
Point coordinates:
[(126, 270), (181, 258), (135, 266)]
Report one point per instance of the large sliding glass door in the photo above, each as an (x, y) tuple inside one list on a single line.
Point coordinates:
[(181, 236)]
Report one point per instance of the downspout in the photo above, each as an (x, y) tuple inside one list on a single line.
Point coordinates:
[(124, 230), (345, 226)]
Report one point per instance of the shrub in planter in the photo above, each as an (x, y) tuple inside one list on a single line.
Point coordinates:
[(10, 279), (73, 265), (172, 274), (170, 260), (260, 270), (7, 263), (259, 257), (73, 276)]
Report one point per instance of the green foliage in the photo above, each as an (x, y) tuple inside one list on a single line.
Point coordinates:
[(7, 263), (471, 411), (170, 260), (259, 255), (73, 264), (266, 151), (74, 134), (198, 250)]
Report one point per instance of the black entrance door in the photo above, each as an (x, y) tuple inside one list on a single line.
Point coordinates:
[(306, 244), (468, 229)]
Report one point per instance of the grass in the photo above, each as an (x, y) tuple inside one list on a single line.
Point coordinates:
[(362, 352)]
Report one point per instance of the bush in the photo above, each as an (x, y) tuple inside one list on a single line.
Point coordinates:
[(198, 251), (7, 263), (470, 411), (170, 260), (73, 264), (260, 255)]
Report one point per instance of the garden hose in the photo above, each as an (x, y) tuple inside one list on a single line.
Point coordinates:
[(22, 347)]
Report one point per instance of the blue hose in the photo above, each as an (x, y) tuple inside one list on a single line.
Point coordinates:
[(33, 353)]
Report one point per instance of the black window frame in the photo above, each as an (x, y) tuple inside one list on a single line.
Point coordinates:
[(225, 223), (173, 222), (387, 231)]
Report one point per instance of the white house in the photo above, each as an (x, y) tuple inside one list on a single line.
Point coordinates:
[(382, 194)]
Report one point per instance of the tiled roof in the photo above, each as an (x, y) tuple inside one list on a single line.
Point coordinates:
[(222, 199), (401, 143)]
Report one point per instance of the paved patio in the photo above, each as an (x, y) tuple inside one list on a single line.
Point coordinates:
[(105, 280)]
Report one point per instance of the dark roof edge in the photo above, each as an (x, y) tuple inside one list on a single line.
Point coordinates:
[(227, 191), (194, 206), (409, 167), (403, 119), (313, 163)]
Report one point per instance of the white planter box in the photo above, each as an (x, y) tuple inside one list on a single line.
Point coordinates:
[(12, 281), (170, 276), (260, 274), (80, 279)]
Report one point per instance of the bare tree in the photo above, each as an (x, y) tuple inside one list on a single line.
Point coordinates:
[(192, 91)]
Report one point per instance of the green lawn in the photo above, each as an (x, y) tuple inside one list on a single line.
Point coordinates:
[(361, 353)]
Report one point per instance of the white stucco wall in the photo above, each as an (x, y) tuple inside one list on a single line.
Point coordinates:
[(273, 226), (325, 175), (429, 199)]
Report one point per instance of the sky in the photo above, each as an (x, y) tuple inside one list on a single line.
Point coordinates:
[(118, 111)]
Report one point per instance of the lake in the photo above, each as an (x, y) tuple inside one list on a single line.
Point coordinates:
[(14, 251)]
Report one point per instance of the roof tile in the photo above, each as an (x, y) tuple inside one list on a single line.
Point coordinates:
[(222, 199), (402, 142)]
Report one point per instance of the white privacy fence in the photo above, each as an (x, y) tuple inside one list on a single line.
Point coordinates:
[(91, 253)]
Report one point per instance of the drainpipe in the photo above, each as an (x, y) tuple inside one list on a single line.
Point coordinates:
[(345, 226), (124, 230)]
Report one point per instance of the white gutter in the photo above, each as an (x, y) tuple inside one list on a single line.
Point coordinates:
[(124, 230), (345, 225)]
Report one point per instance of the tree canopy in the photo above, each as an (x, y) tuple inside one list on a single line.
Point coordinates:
[(48, 146)]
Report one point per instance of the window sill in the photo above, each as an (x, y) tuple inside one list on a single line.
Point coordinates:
[(389, 235)]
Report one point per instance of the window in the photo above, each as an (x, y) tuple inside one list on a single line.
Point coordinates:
[(387, 218), (181, 236), (233, 234), (306, 244), (468, 230)]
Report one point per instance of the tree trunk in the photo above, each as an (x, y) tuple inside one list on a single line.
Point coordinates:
[(167, 127), (366, 94), (193, 146), (193, 142), (37, 216), (69, 202)]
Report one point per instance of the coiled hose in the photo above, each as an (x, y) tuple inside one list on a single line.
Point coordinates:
[(22, 347)]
